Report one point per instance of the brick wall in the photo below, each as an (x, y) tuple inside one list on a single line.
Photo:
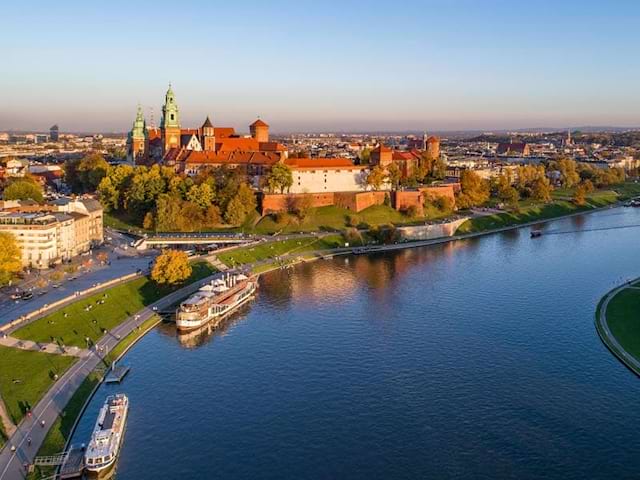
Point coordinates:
[(274, 202)]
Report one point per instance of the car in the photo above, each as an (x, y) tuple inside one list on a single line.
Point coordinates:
[(17, 295), (27, 296), (56, 285), (43, 292)]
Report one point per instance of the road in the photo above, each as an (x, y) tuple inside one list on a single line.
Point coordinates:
[(123, 261), (609, 339), (50, 406)]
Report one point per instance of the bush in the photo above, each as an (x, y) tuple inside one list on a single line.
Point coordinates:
[(353, 236), (353, 220)]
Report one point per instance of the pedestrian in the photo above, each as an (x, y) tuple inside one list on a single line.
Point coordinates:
[(29, 441), (42, 423), (13, 449)]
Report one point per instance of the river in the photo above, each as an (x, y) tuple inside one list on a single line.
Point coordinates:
[(473, 359)]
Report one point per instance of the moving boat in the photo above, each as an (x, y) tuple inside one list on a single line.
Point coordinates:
[(215, 300), (106, 439)]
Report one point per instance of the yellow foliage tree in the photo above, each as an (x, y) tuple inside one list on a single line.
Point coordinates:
[(10, 258), (171, 267)]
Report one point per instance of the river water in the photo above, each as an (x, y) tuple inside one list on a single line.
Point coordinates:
[(474, 359)]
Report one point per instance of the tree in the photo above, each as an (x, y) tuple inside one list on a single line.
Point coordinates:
[(85, 175), (568, 172), (201, 195), (580, 195), (10, 258), (171, 267), (505, 190), (113, 186), (235, 213), (394, 175), (302, 206), (439, 169), (23, 189), (279, 178), (541, 190), (365, 156), (474, 190), (376, 177)]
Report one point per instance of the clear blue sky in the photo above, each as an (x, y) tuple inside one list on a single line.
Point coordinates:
[(322, 65)]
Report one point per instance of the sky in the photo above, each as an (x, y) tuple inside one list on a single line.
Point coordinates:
[(322, 66)]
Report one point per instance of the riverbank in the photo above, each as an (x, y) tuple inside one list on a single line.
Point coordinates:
[(59, 435), (48, 408), (618, 326)]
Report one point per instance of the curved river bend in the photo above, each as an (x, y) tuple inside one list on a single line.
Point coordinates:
[(475, 359)]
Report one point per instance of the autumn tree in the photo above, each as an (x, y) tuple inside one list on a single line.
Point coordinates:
[(376, 177), (569, 176), (113, 186), (541, 190), (302, 206), (580, 195), (241, 205), (171, 267), (279, 178), (439, 169), (10, 258), (474, 190), (505, 191)]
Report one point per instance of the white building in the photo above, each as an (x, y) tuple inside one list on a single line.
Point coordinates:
[(317, 175)]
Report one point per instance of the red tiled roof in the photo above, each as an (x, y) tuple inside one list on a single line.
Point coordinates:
[(433, 139), (223, 132), (238, 144), (272, 147), (227, 158), (382, 148), (258, 123)]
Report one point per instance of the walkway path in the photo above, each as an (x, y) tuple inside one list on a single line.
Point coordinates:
[(609, 339), (50, 406), (7, 341)]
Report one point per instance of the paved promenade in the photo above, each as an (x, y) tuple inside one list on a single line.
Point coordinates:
[(50, 406), (609, 339)]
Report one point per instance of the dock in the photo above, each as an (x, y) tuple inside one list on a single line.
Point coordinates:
[(73, 465), (117, 373)]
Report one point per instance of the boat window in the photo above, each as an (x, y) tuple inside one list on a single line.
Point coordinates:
[(90, 461)]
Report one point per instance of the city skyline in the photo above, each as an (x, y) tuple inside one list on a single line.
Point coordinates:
[(364, 67)]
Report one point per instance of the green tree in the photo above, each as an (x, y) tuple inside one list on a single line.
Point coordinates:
[(365, 156), (23, 189), (302, 206), (201, 195), (171, 267), (394, 175), (279, 178), (235, 213), (10, 258), (85, 175), (439, 169), (113, 186), (376, 177)]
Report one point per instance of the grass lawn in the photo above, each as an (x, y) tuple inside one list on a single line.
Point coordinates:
[(264, 251), (623, 320), (60, 431), (121, 302), (536, 212), (627, 190), (126, 342), (26, 375), (331, 218), (122, 221)]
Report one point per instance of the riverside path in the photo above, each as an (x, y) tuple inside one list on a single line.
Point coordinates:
[(12, 463)]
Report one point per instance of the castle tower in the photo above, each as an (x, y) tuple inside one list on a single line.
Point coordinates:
[(170, 124), (381, 155), (138, 137), (259, 130), (208, 136), (424, 141), (433, 147)]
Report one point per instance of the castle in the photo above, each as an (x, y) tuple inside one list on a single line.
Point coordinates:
[(175, 146)]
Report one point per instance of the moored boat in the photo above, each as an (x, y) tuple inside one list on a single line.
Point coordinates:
[(106, 439), (215, 301)]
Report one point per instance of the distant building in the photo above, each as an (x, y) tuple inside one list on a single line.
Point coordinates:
[(50, 233), (41, 138), (518, 149), (54, 133)]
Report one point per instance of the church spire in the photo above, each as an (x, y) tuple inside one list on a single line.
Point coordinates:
[(139, 129), (170, 112)]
